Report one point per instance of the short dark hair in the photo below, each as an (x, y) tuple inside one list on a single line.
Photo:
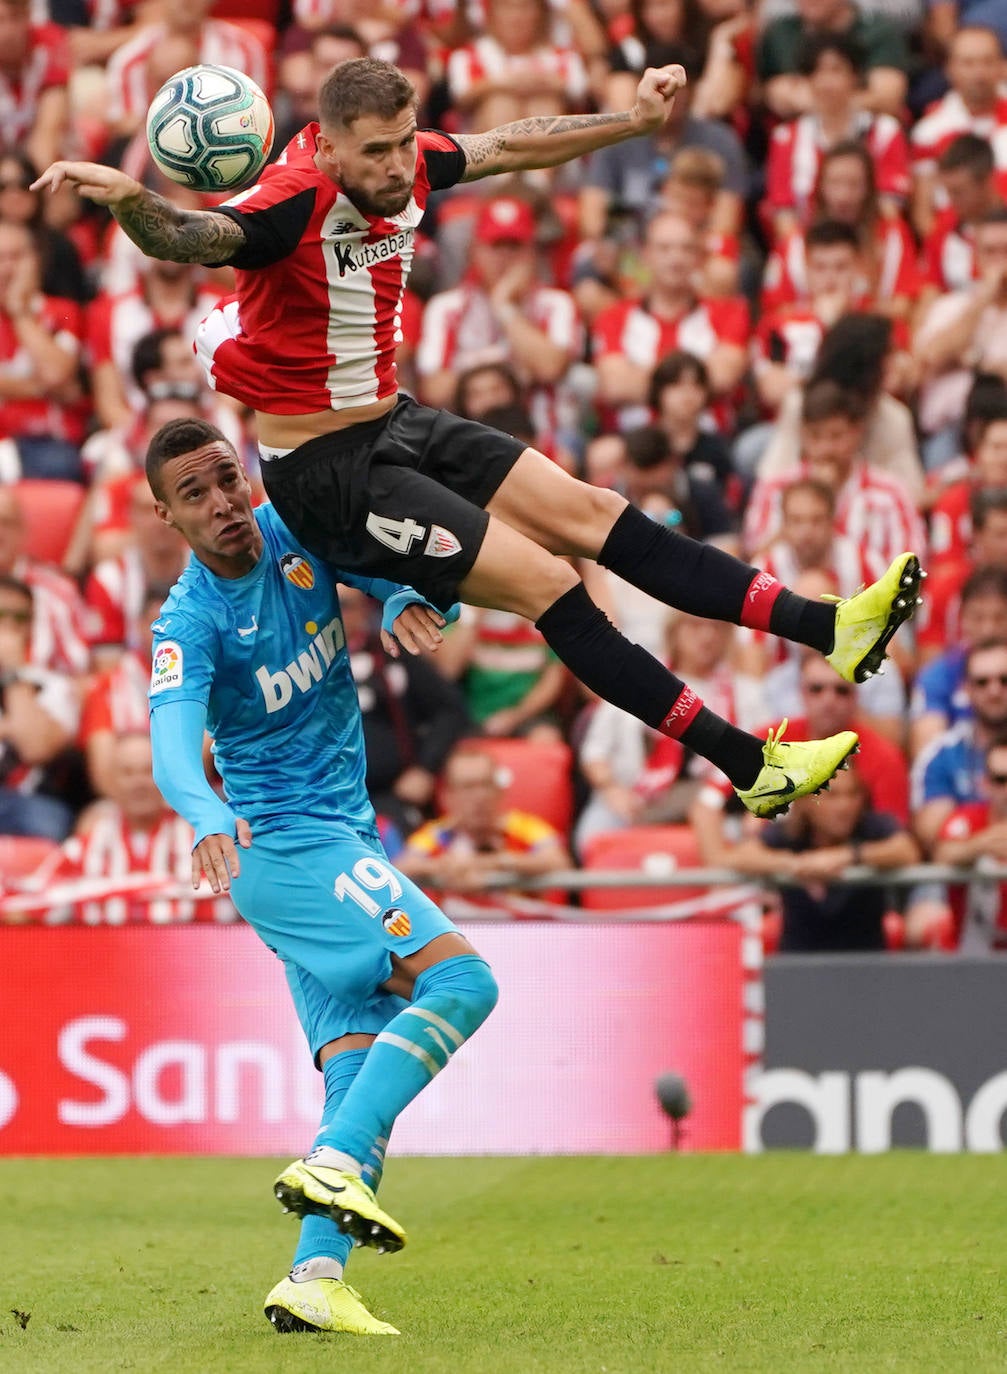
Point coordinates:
[(148, 352), (812, 487), (852, 353), (173, 439), (985, 582), (827, 400), (814, 46), (985, 404), (970, 153), (363, 86), (997, 215), (511, 419), (671, 369), (10, 583), (827, 233), (985, 502), (646, 447)]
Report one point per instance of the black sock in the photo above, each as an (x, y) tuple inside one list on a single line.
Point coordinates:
[(682, 572), (704, 580), (804, 621), (733, 751), (583, 638)]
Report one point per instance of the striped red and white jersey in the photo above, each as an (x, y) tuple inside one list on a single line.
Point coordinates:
[(116, 322), (116, 701), (46, 66), (795, 159), (872, 509), (789, 335), (461, 330), (114, 595), (111, 849), (944, 121), (127, 82), (317, 313), (632, 331), (60, 630), (786, 276), (948, 254), (486, 59), (41, 415)]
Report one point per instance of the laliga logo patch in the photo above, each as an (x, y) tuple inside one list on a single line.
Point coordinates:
[(166, 670), (396, 921), (298, 571)]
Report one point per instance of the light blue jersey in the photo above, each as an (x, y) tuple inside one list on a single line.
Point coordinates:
[(265, 654)]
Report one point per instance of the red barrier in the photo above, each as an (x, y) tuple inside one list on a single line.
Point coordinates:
[(145, 1040)]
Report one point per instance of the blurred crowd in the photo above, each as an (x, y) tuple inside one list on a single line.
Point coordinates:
[(779, 323)]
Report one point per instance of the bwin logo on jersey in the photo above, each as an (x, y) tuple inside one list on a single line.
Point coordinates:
[(350, 258), (304, 671)]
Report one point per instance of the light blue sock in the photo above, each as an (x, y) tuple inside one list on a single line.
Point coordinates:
[(320, 1237), (450, 1002)]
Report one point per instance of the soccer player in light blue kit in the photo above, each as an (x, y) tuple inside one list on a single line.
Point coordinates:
[(249, 646)]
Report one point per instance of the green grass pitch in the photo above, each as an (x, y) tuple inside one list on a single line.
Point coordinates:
[(515, 1266)]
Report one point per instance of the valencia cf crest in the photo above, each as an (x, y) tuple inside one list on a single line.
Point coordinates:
[(396, 921), (297, 570)]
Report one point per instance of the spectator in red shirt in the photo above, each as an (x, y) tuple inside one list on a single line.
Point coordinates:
[(976, 832), (937, 625), (972, 187), (59, 627), (873, 508), (34, 71), (788, 338), (38, 723), (632, 337), (975, 104), (503, 313), (846, 193), (950, 515), (833, 65), (128, 836), (61, 271), (116, 701), (42, 405)]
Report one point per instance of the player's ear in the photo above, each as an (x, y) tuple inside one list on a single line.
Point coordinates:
[(163, 513)]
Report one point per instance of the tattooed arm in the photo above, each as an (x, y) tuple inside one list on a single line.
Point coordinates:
[(154, 224), (548, 140)]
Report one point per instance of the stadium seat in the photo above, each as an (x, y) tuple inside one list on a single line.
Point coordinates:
[(536, 778), (648, 848), (50, 510), (20, 855)]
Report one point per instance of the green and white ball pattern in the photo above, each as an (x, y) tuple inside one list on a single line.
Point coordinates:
[(210, 127)]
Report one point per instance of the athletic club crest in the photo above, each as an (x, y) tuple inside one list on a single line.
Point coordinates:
[(298, 571)]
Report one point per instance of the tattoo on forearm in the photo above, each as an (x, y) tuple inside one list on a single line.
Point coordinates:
[(483, 152), (162, 230)]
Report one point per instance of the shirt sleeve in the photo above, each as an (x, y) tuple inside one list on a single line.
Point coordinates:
[(444, 160), (273, 215), (176, 736), (182, 668)]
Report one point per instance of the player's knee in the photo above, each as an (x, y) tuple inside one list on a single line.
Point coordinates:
[(558, 578), (464, 990)]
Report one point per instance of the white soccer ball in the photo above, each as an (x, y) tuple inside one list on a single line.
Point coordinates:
[(210, 127)]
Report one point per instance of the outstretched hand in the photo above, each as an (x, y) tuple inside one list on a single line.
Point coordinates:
[(656, 93), (103, 185), (217, 857), (418, 627)]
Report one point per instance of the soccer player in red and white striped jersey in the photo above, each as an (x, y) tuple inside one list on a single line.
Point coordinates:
[(382, 486)]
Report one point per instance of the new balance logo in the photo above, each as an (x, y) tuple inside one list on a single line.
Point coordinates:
[(304, 671), (345, 226)]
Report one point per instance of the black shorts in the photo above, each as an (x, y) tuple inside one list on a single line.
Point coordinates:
[(400, 497)]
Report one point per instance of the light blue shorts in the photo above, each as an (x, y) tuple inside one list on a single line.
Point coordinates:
[(328, 903)]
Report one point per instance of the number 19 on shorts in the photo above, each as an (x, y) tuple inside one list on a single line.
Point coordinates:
[(368, 875)]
